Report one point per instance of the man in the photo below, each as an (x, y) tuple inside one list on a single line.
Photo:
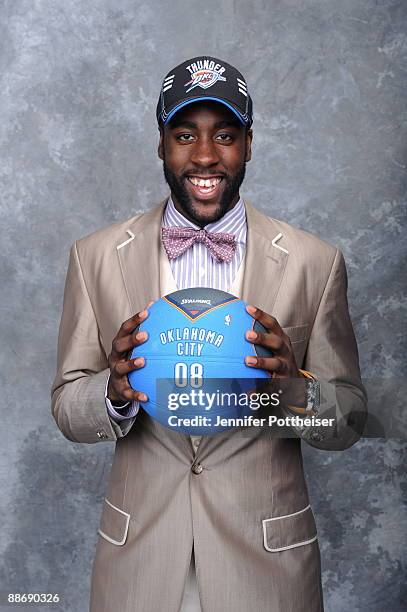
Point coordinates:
[(234, 504)]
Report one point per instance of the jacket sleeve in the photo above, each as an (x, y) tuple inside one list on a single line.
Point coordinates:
[(78, 391), (332, 356)]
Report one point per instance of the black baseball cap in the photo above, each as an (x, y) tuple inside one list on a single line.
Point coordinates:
[(204, 78)]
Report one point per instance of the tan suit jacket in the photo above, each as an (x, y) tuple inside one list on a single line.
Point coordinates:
[(242, 501)]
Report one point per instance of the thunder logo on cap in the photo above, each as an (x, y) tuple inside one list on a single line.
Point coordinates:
[(204, 73)]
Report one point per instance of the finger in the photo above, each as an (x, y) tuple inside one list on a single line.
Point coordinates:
[(124, 367), (125, 392), (126, 328), (120, 390), (269, 340), (130, 325), (130, 394), (269, 322), (270, 364), (123, 345)]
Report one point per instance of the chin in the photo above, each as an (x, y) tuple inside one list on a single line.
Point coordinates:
[(207, 212)]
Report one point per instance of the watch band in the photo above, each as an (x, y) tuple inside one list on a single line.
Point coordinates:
[(313, 397)]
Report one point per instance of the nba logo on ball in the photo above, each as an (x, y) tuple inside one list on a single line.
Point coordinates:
[(195, 376)]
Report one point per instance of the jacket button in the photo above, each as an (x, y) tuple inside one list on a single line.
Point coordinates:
[(197, 468)]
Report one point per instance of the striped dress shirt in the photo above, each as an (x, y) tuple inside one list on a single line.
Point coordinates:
[(197, 268)]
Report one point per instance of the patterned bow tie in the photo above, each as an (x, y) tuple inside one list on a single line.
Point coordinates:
[(177, 240)]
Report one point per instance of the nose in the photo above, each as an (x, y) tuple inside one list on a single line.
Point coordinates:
[(205, 152)]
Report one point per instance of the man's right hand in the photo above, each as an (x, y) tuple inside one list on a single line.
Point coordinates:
[(127, 338)]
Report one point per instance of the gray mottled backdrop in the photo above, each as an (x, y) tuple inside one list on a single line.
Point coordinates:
[(78, 138)]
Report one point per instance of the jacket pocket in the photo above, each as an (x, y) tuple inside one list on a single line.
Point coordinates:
[(298, 333), (114, 524), (289, 531)]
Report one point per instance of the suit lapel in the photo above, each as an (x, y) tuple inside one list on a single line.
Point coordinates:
[(266, 260), (139, 258)]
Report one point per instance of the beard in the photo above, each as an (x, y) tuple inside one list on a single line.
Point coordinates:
[(180, 193)]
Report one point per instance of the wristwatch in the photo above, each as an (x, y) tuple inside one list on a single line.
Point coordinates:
[(313, 397)]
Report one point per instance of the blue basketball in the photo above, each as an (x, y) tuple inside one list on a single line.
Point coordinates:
[(195, 376)]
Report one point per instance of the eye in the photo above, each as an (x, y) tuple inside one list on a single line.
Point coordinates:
[(225, 137), (181, 137)]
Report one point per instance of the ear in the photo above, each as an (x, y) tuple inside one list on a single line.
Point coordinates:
[(249, 138), (161, 143)]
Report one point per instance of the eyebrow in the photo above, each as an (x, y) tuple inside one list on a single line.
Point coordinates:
[(191, 125)]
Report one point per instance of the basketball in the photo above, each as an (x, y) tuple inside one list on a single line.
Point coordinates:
[(195, 376)]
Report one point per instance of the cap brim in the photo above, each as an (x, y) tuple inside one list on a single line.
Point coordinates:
[(199, 99)]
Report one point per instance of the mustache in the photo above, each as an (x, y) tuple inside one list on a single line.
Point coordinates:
[(204, 174)]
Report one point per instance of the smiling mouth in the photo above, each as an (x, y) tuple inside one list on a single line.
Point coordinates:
[(205, 188)]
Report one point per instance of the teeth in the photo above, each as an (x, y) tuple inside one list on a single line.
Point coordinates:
[(204, 183)]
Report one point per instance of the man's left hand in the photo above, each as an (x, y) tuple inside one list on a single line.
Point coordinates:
[(282, 364)]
